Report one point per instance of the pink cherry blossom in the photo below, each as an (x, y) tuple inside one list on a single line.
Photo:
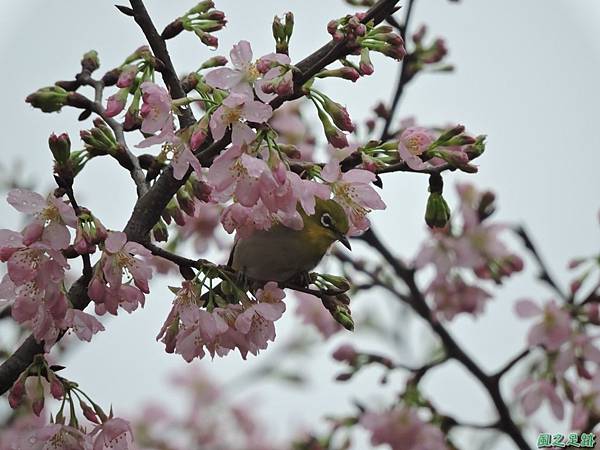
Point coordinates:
[(402, 429), (202, 227), (114, 434), (235, 173), (51, 218), (256, 322), (233, 109), (241, 78), (156, 107), (415, 141), (54, 436), (83, 325), (167, 134), (116, 102), (245, 220), (276, 80), (312, 312), (453, 296), (533, 393), (554, 328), (106, 287), (352, 190)]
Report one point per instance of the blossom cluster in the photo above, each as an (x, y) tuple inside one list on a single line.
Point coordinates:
[(475, 247), (34, 283), (192, 330)]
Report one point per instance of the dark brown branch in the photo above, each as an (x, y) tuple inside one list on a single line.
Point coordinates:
[(453, 350), (149, 206), (544, 274), (403, 76), (159, 48), (510, 364)]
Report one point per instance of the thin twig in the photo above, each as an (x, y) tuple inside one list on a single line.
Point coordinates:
[(544, 274), (402, 76), (510, 364), (453, 350)]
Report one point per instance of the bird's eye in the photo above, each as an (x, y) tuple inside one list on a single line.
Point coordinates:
[(326, 220)]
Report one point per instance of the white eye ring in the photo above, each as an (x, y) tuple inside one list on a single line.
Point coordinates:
[(326, 220)]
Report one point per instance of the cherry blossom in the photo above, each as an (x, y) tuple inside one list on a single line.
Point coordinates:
[(114, 434), (233, 109), (352, 190), (554, 328), (54, 436), (402, 429), (156, 107), (84, 325), (312, 312), (241, 78), (51, 218), (107, 288), (535, 392)]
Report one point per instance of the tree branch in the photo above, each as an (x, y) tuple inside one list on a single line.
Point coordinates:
[(417, 301), (149, 206), (403, 77)]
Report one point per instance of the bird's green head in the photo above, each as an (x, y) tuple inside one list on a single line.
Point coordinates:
[(329, 223)]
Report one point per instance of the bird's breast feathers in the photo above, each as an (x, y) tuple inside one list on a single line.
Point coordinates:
[(280, 253)]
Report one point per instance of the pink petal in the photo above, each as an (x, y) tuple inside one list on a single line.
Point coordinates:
[(532, 401), (331, 172), (257, 111), (26, 201), (115, 241), (223, 78), (217, 126), (527, 308), (241, 54), (241, 134), (270, 311)]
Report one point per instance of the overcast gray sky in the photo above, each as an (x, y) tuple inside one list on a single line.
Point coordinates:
[(527, 75)]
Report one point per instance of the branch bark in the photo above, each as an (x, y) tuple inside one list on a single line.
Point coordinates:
[(417, 301)]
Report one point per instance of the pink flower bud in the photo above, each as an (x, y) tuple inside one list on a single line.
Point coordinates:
[(127, 76), (16, 393), (56, 386), (345, 353)]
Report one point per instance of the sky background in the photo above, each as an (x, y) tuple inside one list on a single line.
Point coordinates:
[(527, 74)]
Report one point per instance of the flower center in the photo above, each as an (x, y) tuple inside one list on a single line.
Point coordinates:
[(232, 115)]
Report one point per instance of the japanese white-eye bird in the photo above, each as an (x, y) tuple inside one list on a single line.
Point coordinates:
[(282, 254)]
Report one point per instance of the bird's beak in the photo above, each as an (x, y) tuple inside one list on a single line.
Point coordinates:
[(344, 240)]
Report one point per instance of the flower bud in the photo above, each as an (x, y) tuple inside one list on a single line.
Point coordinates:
[(334, 136), (17, 391), (339, 114), (56, 386), (215, 61), (90, 61), (207, 39), (339, 282), (160, 231), (48, 99), (116, 102), (127, 76), (202, 7), (172, 29), (437, 213), (345, 353), (88, 412), (186, 202), (37, 397), (60, 146), (201, 190), (365, 65)]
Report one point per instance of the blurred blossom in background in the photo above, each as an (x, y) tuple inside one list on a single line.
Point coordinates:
[(526, 75)]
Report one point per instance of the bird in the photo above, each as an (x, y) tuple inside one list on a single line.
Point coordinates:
[(283, 254)]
